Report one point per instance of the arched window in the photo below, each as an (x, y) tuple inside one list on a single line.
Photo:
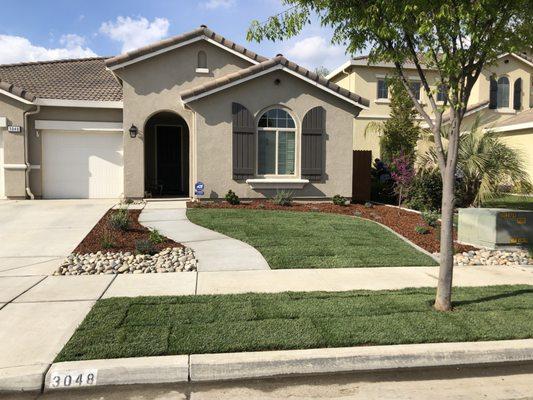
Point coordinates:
[(202, 60), (502, 99), (276, 143)]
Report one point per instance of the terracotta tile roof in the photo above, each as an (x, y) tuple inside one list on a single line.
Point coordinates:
[(17, 91), (77, 79), (201, 31), (278, 60), (520, 118)]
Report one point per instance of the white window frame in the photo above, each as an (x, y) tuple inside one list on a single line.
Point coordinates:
[(296, 130)]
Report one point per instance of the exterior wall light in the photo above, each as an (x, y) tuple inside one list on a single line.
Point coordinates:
[(133, 131)]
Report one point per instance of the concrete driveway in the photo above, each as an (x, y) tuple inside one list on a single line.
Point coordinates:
[(36, 235)]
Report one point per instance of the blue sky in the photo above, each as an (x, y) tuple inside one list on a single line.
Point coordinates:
[(52, 29)]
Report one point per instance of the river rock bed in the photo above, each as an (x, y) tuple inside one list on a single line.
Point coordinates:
[(493, 257), (175, 259)]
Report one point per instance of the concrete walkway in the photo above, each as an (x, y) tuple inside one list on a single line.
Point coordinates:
[(214, 251)]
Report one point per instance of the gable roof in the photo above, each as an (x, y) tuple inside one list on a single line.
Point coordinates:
[(75, 79), (201, 33), (276, 63)]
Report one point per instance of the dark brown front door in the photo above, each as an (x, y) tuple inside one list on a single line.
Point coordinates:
[(169, 153)]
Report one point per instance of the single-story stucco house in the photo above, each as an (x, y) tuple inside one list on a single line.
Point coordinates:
[(155, 121)]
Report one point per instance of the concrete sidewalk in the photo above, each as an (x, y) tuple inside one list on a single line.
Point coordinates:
[(214, 251)]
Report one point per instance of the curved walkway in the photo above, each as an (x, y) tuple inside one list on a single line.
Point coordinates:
[(214, 251)]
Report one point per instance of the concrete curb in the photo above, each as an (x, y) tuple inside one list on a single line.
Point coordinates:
[(25, 378), (120, 371), (417, 247), (266, 364)]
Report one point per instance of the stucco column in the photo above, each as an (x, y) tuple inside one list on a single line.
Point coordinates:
[(133, 161)]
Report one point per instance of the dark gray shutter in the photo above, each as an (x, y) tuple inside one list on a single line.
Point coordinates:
[(517, 95), (243, 143), (313, 137), (493, 100)]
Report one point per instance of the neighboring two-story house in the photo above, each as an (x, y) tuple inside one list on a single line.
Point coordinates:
[(194, 114), (501, 100)]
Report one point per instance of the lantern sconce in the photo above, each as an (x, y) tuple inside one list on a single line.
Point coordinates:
[(133, 131)]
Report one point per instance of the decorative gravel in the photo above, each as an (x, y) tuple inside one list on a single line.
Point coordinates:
[(171, 259), (493, 257)]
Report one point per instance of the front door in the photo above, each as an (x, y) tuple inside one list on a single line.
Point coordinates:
[(169, 155)]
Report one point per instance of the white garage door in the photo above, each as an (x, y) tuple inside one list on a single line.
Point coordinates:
[(2, 185), (81, 164)]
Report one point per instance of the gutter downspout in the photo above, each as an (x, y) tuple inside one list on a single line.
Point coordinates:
[(27, 151)]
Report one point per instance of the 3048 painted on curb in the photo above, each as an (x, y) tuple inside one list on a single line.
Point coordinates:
[(69, 379)]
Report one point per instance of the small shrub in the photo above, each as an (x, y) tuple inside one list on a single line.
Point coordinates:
[(422, 230), (283, 198), (232, 198), (106, 241), (155, 237), (357, 213), (530, 250), (261, 206), (144, 247), (369, 204), (120, 219), (425, 192), (430, 217), (339, 200)]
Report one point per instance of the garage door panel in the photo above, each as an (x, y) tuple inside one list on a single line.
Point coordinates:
[(82, 164)]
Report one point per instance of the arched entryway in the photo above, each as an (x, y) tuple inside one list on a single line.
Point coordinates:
[(166, 155)]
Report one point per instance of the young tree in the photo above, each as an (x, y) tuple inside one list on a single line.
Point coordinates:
[(401, 131), (455, 38), (322, 71)]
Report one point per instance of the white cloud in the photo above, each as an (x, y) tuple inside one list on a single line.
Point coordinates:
[(315, 51), (135, 33), (214, 4), (18, 49)]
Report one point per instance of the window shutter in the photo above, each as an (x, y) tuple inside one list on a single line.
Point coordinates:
[(243, 143), (313, 137), (493, 101), (517, 96)]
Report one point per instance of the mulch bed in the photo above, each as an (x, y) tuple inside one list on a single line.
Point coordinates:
[(122, 240), (401, 221)]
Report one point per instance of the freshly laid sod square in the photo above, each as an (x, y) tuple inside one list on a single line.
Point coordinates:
[(151, 326), (312, 240)]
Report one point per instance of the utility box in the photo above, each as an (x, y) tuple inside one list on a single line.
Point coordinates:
[(495, 227)]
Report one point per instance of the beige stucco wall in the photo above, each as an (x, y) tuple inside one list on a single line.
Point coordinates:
[(154, 85), (14, 181), (61, 114), (522, 141), (214, 134)]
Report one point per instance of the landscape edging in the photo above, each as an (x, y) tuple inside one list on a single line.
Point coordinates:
[(266, 364)]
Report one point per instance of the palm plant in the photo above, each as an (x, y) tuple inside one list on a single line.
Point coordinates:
[(485, 165)]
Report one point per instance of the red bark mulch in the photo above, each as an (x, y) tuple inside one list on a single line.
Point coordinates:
[(401, 221), (122, 240)]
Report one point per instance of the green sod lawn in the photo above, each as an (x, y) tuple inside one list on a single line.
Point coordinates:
[(514, 202), (152, 326), (311, 239)]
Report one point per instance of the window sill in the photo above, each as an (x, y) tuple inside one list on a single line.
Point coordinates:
[(202, 70), (382, 101), (505, 110), (273, 183)]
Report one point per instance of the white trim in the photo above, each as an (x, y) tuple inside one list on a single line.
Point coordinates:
[(178, 45), (9, 94), (275, 68), (15, 167), (338, 70), (382, 100), (384, 116), (513, 127), (505, 110), (79, 125), (266, 183), (381, 76), (79, 103), (3, 122), (202, 70), (475, 110)]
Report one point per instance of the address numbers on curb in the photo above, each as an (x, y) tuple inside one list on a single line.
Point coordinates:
[(72, 379)]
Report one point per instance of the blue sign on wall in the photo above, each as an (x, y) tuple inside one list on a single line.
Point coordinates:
[(199, 189)]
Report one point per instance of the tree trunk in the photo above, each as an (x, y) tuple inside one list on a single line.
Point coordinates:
[(443, 301)]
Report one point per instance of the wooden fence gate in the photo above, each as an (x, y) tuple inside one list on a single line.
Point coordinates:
[(362, 164)]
